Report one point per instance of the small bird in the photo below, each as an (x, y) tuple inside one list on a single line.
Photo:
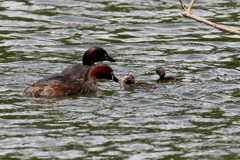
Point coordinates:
[(62, 85), (130, 83), (94, 54), (161, 72)]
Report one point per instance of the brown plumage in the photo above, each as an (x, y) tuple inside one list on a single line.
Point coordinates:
[(78, 71), (161, 72), (129, 82), (61, 85)]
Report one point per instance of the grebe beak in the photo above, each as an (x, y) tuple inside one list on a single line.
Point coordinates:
[(115, 79), (124, 79), (110, 59)]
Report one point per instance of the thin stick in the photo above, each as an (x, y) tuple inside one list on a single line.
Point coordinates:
[(190, 6), (187, 13), (183, 7)]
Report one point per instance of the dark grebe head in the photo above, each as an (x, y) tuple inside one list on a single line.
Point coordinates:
[(128, 79), (101, 72), (95, 54), (160, 71)]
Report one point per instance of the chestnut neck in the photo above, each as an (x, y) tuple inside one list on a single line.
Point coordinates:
[(100, 72), (97, 72), (87, 60), (91, 75)]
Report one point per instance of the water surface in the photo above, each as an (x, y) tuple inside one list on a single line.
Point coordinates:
[(197, 118)]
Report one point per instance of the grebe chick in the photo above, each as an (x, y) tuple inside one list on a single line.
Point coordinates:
[(130, 83), (161, 72)]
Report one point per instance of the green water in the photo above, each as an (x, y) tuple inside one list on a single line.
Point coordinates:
[(197, 118)]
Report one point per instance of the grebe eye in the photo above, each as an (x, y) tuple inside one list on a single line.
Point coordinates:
[(105, 54)]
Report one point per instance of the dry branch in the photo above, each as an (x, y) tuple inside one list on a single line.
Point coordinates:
[(188, 13)]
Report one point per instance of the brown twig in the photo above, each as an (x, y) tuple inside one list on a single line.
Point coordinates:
[(188, 13), (183, 7), (190, 6)]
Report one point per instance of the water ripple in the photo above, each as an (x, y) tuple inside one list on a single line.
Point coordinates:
[(196, 118)]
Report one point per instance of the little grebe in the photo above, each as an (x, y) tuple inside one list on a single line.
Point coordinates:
[(161, 72), (130, 83), (61, 85), (94, 54)]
